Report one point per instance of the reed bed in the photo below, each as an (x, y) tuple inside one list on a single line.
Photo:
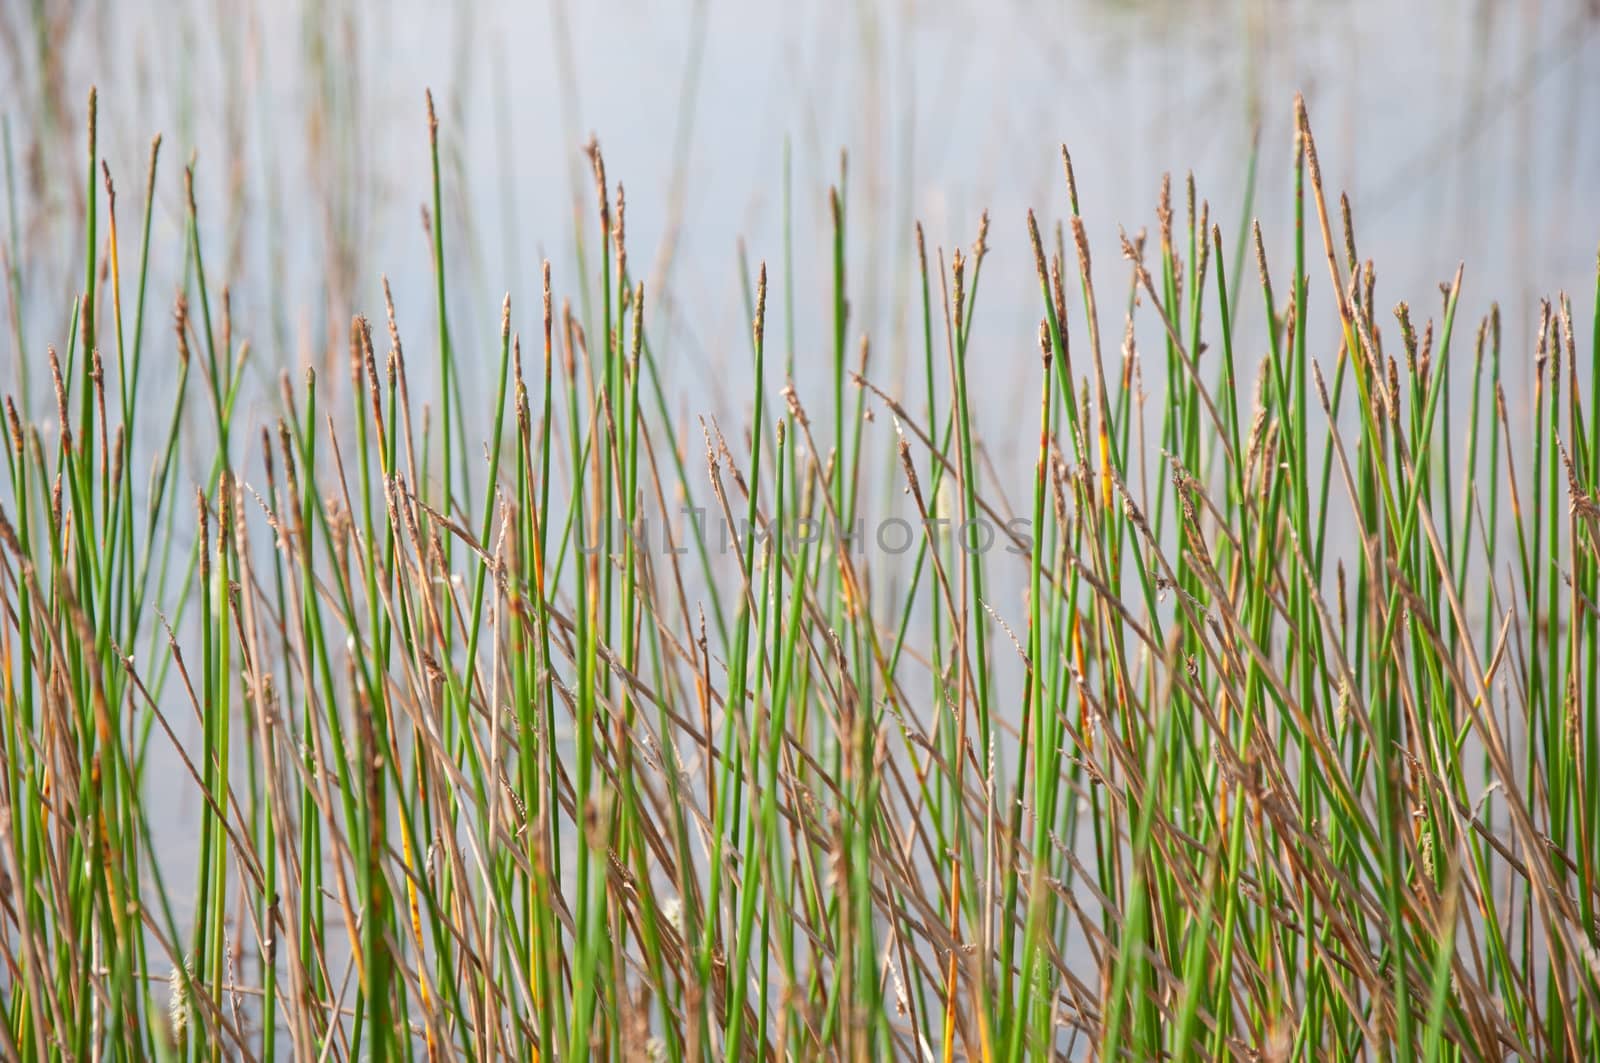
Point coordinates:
[(1286, 751)]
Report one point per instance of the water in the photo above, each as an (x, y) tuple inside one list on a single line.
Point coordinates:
[(1457, 130)]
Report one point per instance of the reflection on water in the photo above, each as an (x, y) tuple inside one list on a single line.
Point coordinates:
[(1456, 129)]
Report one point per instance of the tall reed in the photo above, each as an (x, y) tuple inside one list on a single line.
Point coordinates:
[(1284, 748)]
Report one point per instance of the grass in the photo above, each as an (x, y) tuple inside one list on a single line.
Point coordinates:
[(1286, 750)]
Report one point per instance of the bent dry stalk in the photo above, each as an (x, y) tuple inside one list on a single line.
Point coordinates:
[(1291, 753)]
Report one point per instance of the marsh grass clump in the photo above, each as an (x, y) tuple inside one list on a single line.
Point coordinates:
[(1286, 749)]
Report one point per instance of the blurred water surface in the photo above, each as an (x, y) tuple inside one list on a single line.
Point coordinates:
[(1462, 131)]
